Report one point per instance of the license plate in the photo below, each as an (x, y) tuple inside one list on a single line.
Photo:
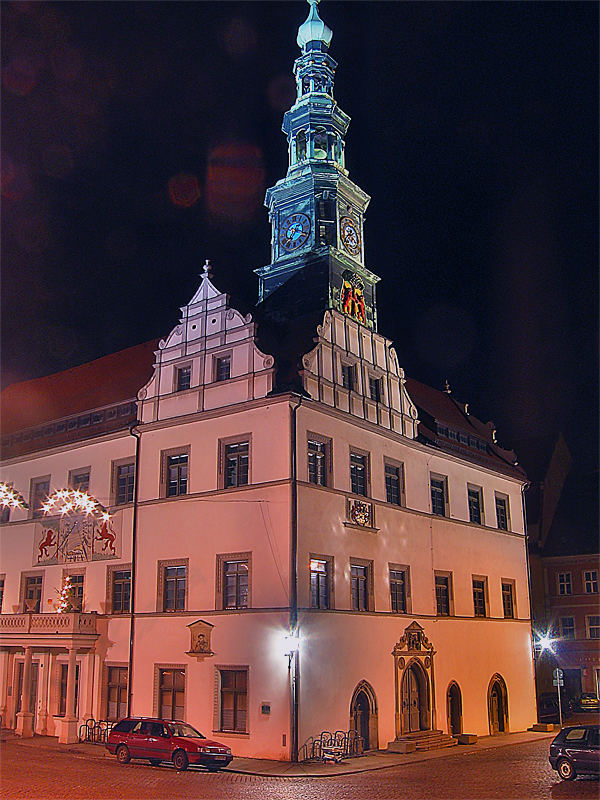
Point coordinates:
[(219, 758)]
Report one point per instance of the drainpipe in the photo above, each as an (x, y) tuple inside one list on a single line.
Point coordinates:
[(524, 488), (295, 660), (136, 434)]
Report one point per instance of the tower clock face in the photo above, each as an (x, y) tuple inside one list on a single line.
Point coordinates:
[(350, 235), (295, 230)]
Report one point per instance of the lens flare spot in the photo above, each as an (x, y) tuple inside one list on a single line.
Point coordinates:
[(239, 38), (19, 76), (57, 161), (184, 189), (235, 182), (15, 182), (66, 63)]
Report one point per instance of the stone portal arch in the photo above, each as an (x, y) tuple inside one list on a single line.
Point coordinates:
[(415, 699), (363, 714), (454, 709), (497, 699), (414, 682)]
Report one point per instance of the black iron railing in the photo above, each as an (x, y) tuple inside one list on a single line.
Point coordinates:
[(94, 731)]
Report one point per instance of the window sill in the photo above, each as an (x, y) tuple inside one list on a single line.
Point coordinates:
[(236, 734), (365, 528)]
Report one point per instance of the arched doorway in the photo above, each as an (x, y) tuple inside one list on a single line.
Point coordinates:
[(363, 714), (415, 699), (497, 705), (454, 709)]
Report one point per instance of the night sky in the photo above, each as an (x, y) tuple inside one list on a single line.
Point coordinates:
[(138, 140)]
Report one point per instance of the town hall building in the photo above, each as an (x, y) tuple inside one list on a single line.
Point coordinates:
[(288, 534)]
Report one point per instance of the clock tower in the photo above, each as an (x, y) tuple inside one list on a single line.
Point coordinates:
[(316, 211)]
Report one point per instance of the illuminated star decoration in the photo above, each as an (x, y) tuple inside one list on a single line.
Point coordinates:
[(72, 501), (65, 595), (10, 498)]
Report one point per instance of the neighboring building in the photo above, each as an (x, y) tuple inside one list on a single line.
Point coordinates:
[(281, 478), (565, 568)]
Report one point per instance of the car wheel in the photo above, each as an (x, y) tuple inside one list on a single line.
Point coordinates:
[(154, 761), (566, 770), (123, 754), (180, 760)]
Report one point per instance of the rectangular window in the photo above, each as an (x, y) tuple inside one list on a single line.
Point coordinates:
[(171, 693), (124, 483), (33, 593), (121, 591), (590, 581), (358, 474), (79, 479), (475, 504), (593, 627), (375, 389), (223, 368), (117, 693), (174, 585), (567, 627), (564, 583), (1, 592), (235, 584), (318, 458), (360, 580), (398, 590), (319, 583), (184, 378), (177, 474), (442, 595), (479, 597), (394, 484), (76, 598), (439, 495), (502, 515), (236, 464), (234, 700), (348, 376), (508, 600), (40, 489)]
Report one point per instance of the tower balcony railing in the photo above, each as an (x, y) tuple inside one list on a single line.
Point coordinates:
[(62, 624)]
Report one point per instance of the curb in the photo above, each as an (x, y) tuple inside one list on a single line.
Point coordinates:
[(98, 752)]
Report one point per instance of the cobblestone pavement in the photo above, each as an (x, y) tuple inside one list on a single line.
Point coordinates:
[(514, 772)]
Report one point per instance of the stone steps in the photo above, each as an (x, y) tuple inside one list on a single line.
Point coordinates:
[(421, 741)]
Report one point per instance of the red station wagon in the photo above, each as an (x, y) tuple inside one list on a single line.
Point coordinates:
[(165, 740)]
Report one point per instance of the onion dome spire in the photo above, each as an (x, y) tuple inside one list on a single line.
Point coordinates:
[(314, 34)]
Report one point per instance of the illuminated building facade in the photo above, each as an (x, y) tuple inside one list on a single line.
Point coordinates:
[(301, 538)]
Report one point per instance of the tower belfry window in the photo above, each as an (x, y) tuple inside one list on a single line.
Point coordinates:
[(320, 143), (300, 146)]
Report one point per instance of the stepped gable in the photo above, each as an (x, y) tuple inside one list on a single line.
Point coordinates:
[(466, 437), (107, 386)]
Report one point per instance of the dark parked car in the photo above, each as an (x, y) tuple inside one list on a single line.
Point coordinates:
[(165, 740), (588, 702), (576, 751)]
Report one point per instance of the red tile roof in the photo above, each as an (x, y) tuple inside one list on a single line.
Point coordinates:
[(105, 381)]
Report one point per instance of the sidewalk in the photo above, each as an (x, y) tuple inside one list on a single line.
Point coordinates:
[(256, 766)]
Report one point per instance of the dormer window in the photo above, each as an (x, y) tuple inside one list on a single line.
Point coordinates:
[(223, 368), (184, 378), (348, 381)]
